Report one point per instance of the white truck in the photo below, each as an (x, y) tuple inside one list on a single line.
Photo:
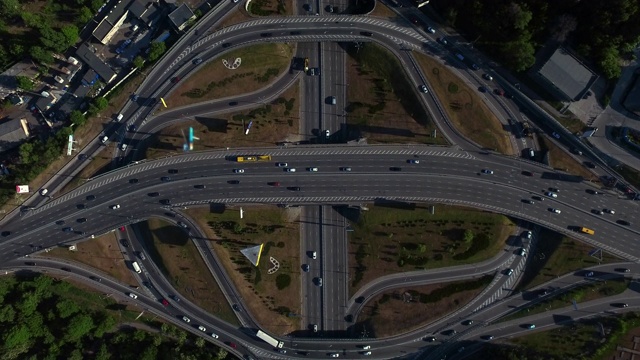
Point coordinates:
[(136, 267), (269, 340)]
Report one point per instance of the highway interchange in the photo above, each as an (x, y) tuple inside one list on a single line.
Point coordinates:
[(444, 175)]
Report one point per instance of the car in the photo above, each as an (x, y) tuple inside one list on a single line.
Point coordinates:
[(235, 182), (133, 296), (197, 61), (624, 222), (104, 139), (450, 332), (133, 181), (623, 270), (485, 171), (345, 169), (123, 147), (555, 211), (499, 92), (327, 133), (366, 347), (90, 197), (366, 353), (593, 192), (67, 229), (423, 89), (200, 186), (620, 305), (282, 351), (529, 326), (238, 171), (331, 100), (609, 211), (482, 89), (121, 228), (6, 233), (135, 98), (153, 194), (124, 242), (266, 34), (315, 327), (294, 188), (282, 164), (175, 298), (80, 206), (141, 255), (329, 8), (527, 201), (527, 234), (164, 302), (508, 272), (539, 198), (395, 168), (366, 33), (589, 274), (589, 164), (556, 135), (233, 345), (81, 220), (442, 41), (318, 281), (182, 225), (290, 170), (414, 19), (165, 179), (173, 171), (307, 7), (314, 72), (305, 267), (214, 335), (236, 307), (233, 103), (551, 194), (487, 77), (475, 67), (555, 190), (312, 169), (596, 211), (431, 30), (186, 319), (527, 173), (44, 192), (273, 183), (314, 255), (467, 322), (335, 355), (115, 207), (487, 337), (175, 79), (226, 45), (295, 33), (413, 161), (522, 251), (430, 338), (202, 328)]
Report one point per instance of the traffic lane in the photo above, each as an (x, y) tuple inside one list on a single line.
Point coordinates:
[(465, 190), (337, 270), (310, 242)]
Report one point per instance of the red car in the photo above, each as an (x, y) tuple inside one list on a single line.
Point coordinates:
[(274, 183), (233, 345), (164, 302), (527, 173), (121, 228)]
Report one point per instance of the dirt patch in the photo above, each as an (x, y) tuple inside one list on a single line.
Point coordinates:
[(261, 225), (259, 65), (383, 11), (271, 7), (382, 104), (405, 309), (272, 123), (464, 107), (102, 253), (559, 159), (236, 16), (97, 165), (178, 258), (392, 240)]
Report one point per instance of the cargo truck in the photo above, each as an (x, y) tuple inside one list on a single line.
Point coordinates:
[(253, 158), (136, 267), (269, 340)]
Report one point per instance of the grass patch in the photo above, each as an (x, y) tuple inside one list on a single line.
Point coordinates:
[(101, 253), (387, 241), (557, 255), (260, 64), (631, 175), (560, 160), (271, 298), (403, 310), (382, 11), (97, 165), (464, 107), (177, 257), (270, 7), (272, 123), (382, 104), (582, 293)]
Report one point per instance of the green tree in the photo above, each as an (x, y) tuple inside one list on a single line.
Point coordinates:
[(77, 118), (7, 313), (76, 354), (519, 55), (84, 15), (9, 8), (16, 50), (96, 4), (222, 354), (105, 322), (66, 308), (156, 50), (79, 326), (200, 342), (103, 353), (468, 236), (609, 61), (24, 83), (101, 103), (52, 39), (138, 62), (41, 55), (18, 337), (181, 337), (71, 34)]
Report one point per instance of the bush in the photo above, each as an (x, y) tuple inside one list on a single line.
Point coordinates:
[(282, 281)]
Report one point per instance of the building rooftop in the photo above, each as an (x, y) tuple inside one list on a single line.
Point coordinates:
[(112, 19), (146, 11), (11, 134), (86, 55), (180, 16), (567, 75)]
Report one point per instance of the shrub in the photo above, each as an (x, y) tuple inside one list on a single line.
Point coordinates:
[(282, 281)]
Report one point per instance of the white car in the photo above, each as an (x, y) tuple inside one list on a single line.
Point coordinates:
[(115, 207), (214, 335), (366, 347), (556, 211), (202, 328), (485, 171), (366, 353), (123, 147), (281, 164), (414, 161), (609, 211), (551, 194), (335, 355), (327, 133), (105, 139), (314, 255), (238, 171), (133, 296), (186, 319), (312, 169), (315, 328), (431, 30), (556, 135), (290, 169), (44, 192), (528, 234)]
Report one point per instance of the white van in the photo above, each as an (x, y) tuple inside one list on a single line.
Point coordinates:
[(120, 117), (123, 147), (105, 139)]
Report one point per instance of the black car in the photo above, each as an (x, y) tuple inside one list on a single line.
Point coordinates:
[(294, 188), (395, 168), (539, 198), (624, 222), (200, 186), (124, 242), (266, 35), (30, 263), (133, 181), (60, 222), (165, 178), (527, 201), (236, 307), (67, 229), (154, 194), (91, 197), (589, 164), (173, 171), (593, 192), (467, 322), (233, 182), (6, 233), (233, 103), (226, 45), (555, 190), (81, 220), (295, 33), (133, 128), (366, 33), (165, 202), (80, 206), (623, 270), (449, 332)]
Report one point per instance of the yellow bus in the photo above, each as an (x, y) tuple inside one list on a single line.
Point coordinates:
[(587, 231)]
